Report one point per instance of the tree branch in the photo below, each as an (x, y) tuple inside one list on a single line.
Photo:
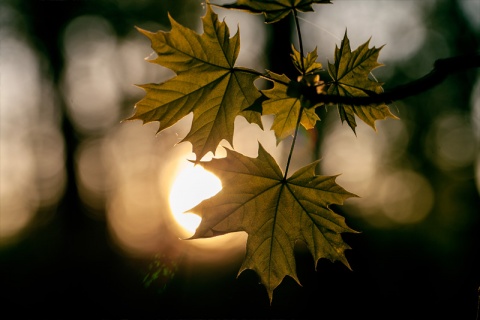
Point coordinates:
[(441, 69)]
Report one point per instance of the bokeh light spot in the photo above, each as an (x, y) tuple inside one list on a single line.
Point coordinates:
[(32, 173), (450, 144), (326, 27), (89, 83), (405, 196)]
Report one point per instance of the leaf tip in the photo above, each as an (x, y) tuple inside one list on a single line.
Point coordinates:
[(354, 131), (394, 117), (144, 32)]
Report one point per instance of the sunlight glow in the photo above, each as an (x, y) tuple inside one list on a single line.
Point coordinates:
[(192, 185)]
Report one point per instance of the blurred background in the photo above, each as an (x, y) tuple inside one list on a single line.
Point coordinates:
[(91, 220)]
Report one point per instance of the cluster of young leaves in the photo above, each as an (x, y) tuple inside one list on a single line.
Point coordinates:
[(275, 209)]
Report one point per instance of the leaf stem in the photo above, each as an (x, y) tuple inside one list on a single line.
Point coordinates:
[(300, 43), (293, 141)]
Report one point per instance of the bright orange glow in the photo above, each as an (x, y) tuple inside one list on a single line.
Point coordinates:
[(189, 185), (192, 185)]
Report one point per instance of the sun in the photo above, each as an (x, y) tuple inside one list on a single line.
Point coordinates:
[(191, 185)]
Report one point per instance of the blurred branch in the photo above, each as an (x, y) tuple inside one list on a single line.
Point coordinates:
[(442, 68)]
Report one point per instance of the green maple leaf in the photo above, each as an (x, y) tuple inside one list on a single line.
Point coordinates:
[(286, 108), (309, 63), (276, 212), (206, 83), (350, 73), (274, 10)]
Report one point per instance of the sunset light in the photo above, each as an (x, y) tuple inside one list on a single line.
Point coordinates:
[(192, 185)]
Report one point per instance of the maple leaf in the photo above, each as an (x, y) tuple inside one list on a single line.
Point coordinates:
[(286, 107), (309, 63), (350, 73), (274, 10), (206, 83), (276, 212)]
